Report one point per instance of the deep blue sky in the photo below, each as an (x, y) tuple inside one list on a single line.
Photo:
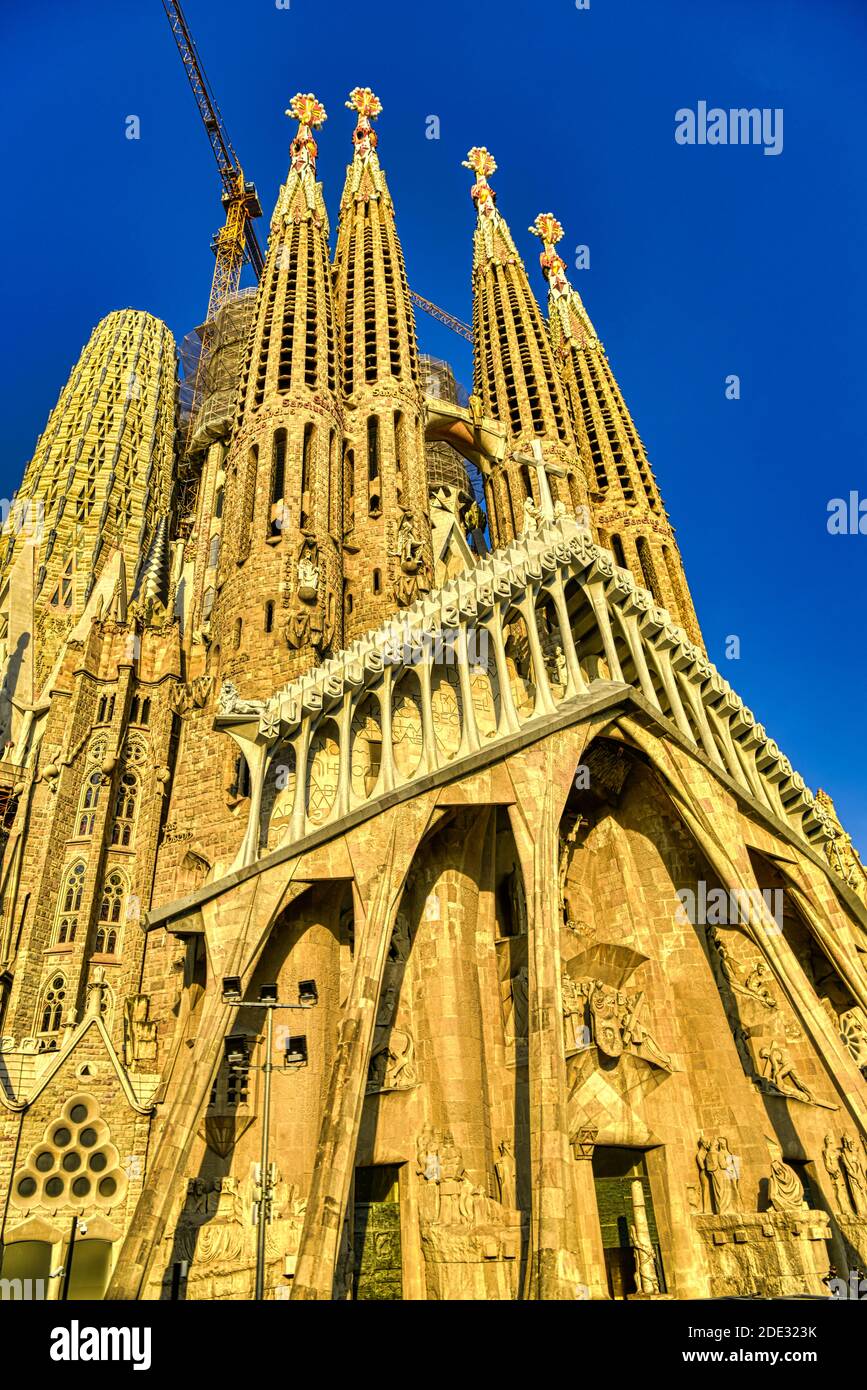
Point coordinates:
[(704, 261)]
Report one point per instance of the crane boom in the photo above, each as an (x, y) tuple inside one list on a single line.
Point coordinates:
[(237, 240), (442, 316)]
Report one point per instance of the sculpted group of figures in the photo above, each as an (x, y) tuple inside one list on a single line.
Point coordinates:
[(719, 1178), (615, 1025), (845, 1168), (455, 1198)]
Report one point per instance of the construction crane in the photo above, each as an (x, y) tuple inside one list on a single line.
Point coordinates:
[(236, 241), (442, 316)]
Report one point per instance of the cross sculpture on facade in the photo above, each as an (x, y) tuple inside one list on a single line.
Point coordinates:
[(543, 469)]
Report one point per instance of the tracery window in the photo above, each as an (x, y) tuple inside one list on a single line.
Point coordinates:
[(69, 905), (125, 807), (51, 1009)]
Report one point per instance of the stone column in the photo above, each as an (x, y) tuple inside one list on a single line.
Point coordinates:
[(555, 1270), (381, 853)]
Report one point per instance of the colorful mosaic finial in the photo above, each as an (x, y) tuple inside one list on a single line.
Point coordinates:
[(367, 106), (310, 115), (363, 100), (482, 163), (307, 110), (550, 231)]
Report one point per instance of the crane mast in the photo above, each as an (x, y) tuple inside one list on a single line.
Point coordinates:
[(236, 241)]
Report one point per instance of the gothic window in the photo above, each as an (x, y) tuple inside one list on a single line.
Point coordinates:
[(207, 605), (87, 804), (125, 804), (214, 554), (69, 904), (269, 616), (349, 485), (329, 485), (110, 914), (140, 710), (218, 504), (377, 582), (51, 1010), (236, 640)]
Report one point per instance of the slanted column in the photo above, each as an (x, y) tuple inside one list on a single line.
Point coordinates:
[(577, 683), (508, 713), (555, 1268), (469, 731), (376, 903), (544, 699), (598, 602)]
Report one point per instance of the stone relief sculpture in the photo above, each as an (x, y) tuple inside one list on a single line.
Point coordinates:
[(504, 1168), (304, 625), (646, 1276), (780, 1073), (831, 1160), (516, 1004), (719, 1182), (616, 1026), (853, 1167), (191, 695), (412, 578), (230, 702), (785, 1189), (392, 1059)]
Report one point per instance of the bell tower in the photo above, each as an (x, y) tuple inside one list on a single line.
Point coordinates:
[(278, 610), (515, 376), (387, 548), (626, 504)]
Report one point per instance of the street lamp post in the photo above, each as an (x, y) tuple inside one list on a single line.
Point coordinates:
[(294, 1056)]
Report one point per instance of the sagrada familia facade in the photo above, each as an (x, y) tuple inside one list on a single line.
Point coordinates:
[(290, 710)]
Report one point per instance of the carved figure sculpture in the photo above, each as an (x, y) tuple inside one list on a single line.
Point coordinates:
[(504, 1169), (831, 1160), (785, 1190), (853, 1167)]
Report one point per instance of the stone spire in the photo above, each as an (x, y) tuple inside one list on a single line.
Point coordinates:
[(276, 556), (515, 376), (99, 479), (387, 556), (626, 504), (152, 583)]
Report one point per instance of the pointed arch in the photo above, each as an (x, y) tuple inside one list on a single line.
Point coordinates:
[(126, 804), (88, 801), (69, 904)]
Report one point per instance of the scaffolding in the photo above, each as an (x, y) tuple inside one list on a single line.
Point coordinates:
[(212, 361)]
